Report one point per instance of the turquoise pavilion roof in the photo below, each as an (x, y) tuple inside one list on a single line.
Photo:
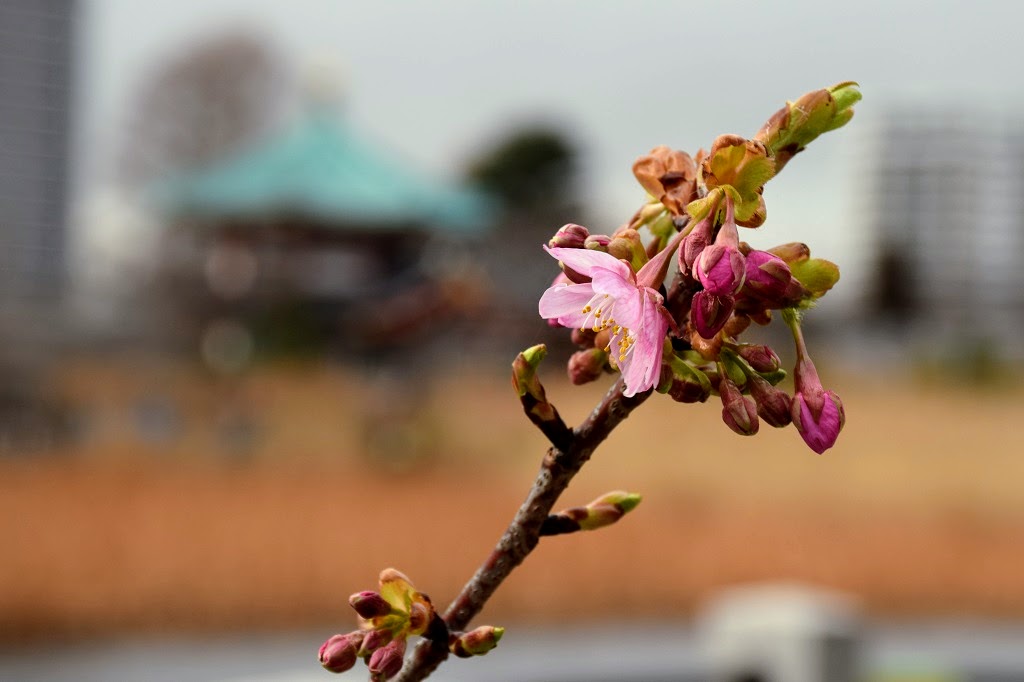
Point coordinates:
[(321, 169)]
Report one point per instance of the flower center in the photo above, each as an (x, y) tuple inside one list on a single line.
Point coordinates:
[(600, 317)]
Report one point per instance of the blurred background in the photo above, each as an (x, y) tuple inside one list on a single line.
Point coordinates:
[(264, 265)]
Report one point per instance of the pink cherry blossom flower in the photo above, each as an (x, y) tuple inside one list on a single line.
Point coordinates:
[(620, 302)]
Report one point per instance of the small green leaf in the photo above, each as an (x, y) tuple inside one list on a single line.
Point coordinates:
[(816, 274)]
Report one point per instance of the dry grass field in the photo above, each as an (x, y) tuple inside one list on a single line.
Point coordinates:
[(919, 509)]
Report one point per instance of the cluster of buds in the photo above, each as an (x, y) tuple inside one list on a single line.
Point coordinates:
[(387, 618), (685, 340)]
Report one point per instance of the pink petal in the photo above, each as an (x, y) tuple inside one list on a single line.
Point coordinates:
[(820, 434), (625, 294), (584, 261), (565, 302), (642, 367)]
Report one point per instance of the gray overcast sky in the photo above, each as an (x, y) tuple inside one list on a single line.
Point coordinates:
[(434, 79)]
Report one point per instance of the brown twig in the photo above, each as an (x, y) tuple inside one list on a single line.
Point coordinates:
[(561, 463)]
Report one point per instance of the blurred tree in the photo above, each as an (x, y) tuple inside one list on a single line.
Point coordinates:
[(534, 172), (533, 168), (208, 101)]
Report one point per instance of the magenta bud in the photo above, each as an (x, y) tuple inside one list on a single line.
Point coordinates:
[(339, 653), (721, 269), (739, 412), (820, 428), (767, 275), (709, 313), (694, 243), (761, 358), (570, 236), (369, 604), (386, 662), (587, 365), (373, 640)]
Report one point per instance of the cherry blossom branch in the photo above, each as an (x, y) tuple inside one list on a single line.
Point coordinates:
[(557, 470), (683, 340)]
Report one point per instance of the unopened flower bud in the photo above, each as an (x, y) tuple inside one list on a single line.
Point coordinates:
[(369, 604), (583, 338), (689, 384), (793, 252), (819, 428), (798, 123), (570, 236), (476, 642), (387, 661), (695, 242), (420, 615), (626, 245), (761, 358), (340, 652), (709, 312), (524, 372), (773, 404), (767, 275), (721, 269), (373, 640), (607, 509), (739, 411), (587, 365), (597, 242), (817, 414)]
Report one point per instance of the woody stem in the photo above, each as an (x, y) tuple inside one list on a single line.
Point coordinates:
[(557, 470)]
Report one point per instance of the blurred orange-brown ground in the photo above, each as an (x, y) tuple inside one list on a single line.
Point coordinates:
[(918, 509)]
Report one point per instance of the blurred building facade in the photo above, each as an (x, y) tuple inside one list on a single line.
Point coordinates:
[(36, 45), (36, 80), (949, 199), (315, 240)]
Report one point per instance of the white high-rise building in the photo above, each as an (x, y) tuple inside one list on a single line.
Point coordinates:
[(36, 39), (949, 201)]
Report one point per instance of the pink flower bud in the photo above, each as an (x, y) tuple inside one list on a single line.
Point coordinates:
[(694, 243), (819, 428), (386, 662), (373, 640), (570, 236), (369, 604), (597, 242), (339, 653), (587, 365), (738, 411), (709, 313), (767, 275), (721, 269), (761, 358), (773, 404), (817, 414)]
